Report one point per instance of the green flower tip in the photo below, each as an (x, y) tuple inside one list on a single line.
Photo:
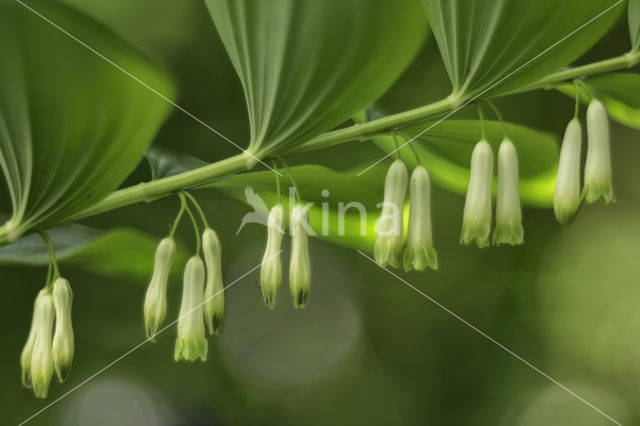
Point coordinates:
[(597, 172), (476, 222), (191, 342), (389, 235)]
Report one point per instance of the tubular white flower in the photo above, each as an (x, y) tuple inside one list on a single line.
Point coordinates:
[(389, 237), (299, 265), (27, 351), (191, 342), (508, 212), (63, 342), (213, 293), (476, 222), (567, 193), (41, 368), (597, 171), (419, 252), (271, 268), (155, 302)]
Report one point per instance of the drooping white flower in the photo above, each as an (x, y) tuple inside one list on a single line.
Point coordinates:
[(508, 212), (476, 222), (213, 290), (155, 302), (27, 350), (41, 366), (63, 341), (597, 171), (299, 265), (567, 192), (419, 252), (271, 268), (191, 342), (389, 233)]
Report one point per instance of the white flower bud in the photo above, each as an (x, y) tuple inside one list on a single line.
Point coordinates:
[(155, 301), (389, 235), (213, 293), (597, 171), (62, 347), (27, 351), (191, 342), (299, 265), (567, 193), (41, 368), (419, 252), (271, 269), (508, 213), (476, 222)]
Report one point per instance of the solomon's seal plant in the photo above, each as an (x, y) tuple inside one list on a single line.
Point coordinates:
[(70, 137)]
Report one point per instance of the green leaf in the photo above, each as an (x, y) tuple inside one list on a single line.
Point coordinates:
[(120, 252), (166, 162), (619, 92), (634, 24), (445, 150), (307, 65), (500, 45), (349, 227), (72, 126)]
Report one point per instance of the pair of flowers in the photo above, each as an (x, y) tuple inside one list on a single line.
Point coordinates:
[(44, 353), (299, 263), (419, 252), (476, 222), (202, 296), (568, 193)]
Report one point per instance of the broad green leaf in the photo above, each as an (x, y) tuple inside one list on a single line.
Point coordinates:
[(634, 24), (120, 252), (620, 94), (72, 126), (165, 162), (307, 65), (501, 45), (445, 150)]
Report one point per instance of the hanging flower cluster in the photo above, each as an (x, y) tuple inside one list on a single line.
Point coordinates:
[(568, 193), (50, 344), (477, 216), (299, 263), (419, 252), (202, 289)]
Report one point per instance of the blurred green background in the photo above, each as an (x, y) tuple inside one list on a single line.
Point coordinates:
[(367, 350)]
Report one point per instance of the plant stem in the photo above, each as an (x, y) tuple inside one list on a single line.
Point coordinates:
[(162, 187), (381, 125), (52, 258), (627, 60)]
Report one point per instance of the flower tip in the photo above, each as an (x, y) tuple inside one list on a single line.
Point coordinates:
[(512, 234), (215, 323), (300, 298), (419, 259)]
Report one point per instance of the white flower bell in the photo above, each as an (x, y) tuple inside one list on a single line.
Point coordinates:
[(508, 228), (419, 252), (389, 237), (476, 222)]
